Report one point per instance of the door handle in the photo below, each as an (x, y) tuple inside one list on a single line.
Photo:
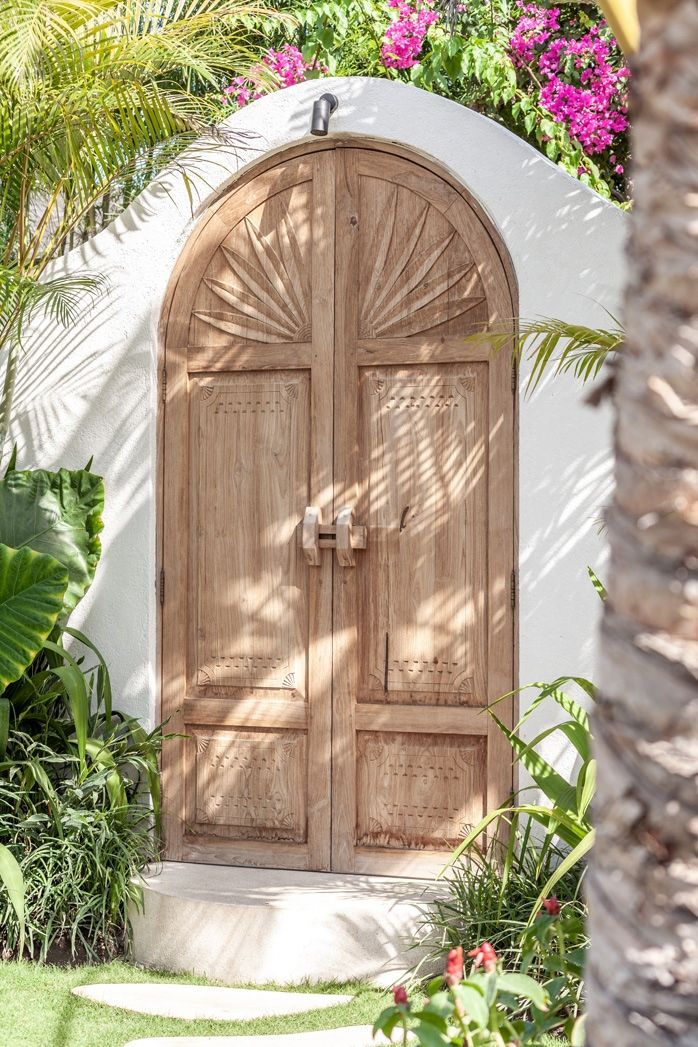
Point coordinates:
[(344, 536), (310, 535), (349, 536)]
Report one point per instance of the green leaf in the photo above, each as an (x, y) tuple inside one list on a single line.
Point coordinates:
[(524, 986), (576, 1032), (428, 1036), (597, 583), (101, 756), (104, 681), (586, 787), (78, 703), (13, 880), (58, 514), (387, 1020), (553, 785), (472, 836), (573, 731), (32, 590), (4, 725), (474, 1004), (570, 860)]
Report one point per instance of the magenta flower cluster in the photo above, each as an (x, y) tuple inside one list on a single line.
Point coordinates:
[(287, 66), (404, 36), (581, 86), (533, 29)]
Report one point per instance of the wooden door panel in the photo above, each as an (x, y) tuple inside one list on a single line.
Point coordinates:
[(422, 583), (249, 784), (424, 455), (250, 393), (421, 277), (418, 790), (249, 468)]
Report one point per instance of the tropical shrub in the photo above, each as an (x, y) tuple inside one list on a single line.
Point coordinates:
[(500, 878), (79, 803), (564, 813), (490, 893), (79, 785), (488, 1007)]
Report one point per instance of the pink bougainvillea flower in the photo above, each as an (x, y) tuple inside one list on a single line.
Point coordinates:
[(400, 995), (453, 972), (484, 956), (551, 906), (404, 36), (287, 66), (581, 84)]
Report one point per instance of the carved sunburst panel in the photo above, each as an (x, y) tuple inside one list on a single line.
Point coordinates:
[(256, 287), (416, 273)]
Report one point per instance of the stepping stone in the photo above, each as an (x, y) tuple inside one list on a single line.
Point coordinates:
[(350, 1036), (205, 1001)]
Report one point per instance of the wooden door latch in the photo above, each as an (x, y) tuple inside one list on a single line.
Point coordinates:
[(343, 536)]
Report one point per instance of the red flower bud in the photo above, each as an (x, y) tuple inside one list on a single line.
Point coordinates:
[(485, 957), (551, 906), (400, 995), (454, 966)]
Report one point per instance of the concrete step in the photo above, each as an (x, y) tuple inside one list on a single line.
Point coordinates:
[(259, 926)]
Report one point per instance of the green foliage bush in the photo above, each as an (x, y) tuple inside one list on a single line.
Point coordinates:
[(490, 893), (498, 888), (79, 783)]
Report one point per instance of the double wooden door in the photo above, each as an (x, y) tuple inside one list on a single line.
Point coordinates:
[(337, 520)]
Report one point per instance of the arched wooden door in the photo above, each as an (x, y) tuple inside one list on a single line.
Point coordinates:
[(316, 376)]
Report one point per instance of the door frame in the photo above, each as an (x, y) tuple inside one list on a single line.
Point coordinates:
[(206, 212)]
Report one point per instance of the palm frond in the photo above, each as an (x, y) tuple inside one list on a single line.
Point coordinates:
[(95, 97), (63, 298), (558, 345)]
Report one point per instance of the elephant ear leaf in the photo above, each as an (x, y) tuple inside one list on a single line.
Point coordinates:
[(59, 514), (32, 591)]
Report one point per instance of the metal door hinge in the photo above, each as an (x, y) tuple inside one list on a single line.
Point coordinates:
[(513, 586), (514, 375), (164, 384), (161, 585)]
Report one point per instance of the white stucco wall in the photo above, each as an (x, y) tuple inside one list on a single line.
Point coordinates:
[(92, 390)]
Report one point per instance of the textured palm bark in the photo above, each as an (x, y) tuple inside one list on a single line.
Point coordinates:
[(643, 882)]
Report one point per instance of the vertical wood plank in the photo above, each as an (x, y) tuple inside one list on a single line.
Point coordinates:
[(346, 455), (321, 488), (174, 632)]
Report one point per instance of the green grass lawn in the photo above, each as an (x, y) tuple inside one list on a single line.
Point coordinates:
[(37, 1009)]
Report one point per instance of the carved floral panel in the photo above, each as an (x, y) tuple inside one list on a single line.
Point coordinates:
[(418, 790), (252, 782)]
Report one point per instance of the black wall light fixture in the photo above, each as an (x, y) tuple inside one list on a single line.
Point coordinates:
[(322, 111)]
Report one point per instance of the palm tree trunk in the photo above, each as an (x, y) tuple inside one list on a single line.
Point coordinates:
[(643, 882)]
